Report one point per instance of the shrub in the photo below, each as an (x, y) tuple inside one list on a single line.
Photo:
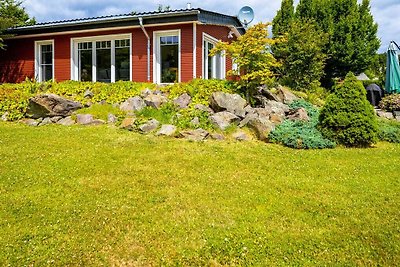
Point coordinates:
[(347, 116), (165, 114), (14, 99), (390, 103), (102, 111), (389, 131)]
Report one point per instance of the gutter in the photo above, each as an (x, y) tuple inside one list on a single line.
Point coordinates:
[(148, 47)]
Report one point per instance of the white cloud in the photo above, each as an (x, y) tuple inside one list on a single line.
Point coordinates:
[(385, 11)]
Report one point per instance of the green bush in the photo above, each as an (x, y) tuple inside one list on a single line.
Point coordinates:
[(389, 131), (347, 117), (390, 103), (165, 114), (101, 111), (14, 99)]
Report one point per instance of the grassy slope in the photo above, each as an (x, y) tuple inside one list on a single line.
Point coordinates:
[(83, 196)]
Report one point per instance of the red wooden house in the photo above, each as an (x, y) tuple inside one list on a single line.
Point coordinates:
[(160, 47)]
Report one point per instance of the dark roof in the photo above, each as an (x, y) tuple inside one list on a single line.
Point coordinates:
[(131, 19)]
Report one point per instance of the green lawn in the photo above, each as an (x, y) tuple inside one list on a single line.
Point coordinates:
[(103, 196)]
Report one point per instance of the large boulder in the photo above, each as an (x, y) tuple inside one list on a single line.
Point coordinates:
[(195, 135), (167, 130), (223, 119), (241, 136), (67, 121), (149, 126), (262, 127), (263, 91), (285, 95), (133, 104), (232, 103), (204, 108), (51, 105), (84, 119), (183, 101), (155, 101), (298, 114)]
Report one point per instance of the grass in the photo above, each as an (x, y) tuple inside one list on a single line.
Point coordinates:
[(103, 196)]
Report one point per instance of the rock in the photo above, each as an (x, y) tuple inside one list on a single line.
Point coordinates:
[(276, 119), (263, 90), (88, 104), (277, 108), (155, 101), (84, 119), (67, 121), (55, 119), (204, 108), (50, 105), (241, 136), (149, 126), (128, 124), (195, 121), (195, 135), (45, 121), (217, 136), (263, 112), (223, 119), (29, 122), (285, 95), (103, 102), (146, 92), (396, 114), (248, 109), (167, 130), (133, 104), (262, 127), (246, 119), (96, 122), (298, 114), (183, 101), (111, 118), (232, 103), (384, 114), (88, 94), (4, 117)]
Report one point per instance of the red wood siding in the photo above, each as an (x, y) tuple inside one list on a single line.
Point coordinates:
[(17, 62)]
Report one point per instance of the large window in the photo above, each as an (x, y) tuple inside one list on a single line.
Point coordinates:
[(167, 57), (213, 66), (102, 59), (44, 60)]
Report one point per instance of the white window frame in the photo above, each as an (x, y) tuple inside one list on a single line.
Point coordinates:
[(208, 38), (157, 54), (94, 39), (38, 58)]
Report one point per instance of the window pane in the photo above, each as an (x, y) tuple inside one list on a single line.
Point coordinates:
[(103, 66), (47, 54), (169, 63), (122, 64), (47, 72), (85, 65)]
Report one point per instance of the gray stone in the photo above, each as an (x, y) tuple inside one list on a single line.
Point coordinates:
[(67, 121), (223, 119), (128, 124), (276, 119), (45, 121), (195, 121), (146, 92), (51, 105), (241, 136), (96, 122), (149, 126), (55, 119), (167, 130), (384, 114), (396, 114), (183, 101), (133, 104), (88, 94), (29, 122), (298, 114), (248, 109), (262, 127), (217, 136), (4, 117), (195, 135), (204, 108), (285, 95), (111, 118), (277, 108), (263, 90), (246, 119), (232, 103), (155, 101), (84, 119)]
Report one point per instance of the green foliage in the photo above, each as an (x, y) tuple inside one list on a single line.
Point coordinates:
[(283, 19), (348, 117), (251, 52), (184, 120), (389, 131), (165, 114), (390, 103), (303, 56), (315, 96), (301, 134), (14, 99), (101, 111)]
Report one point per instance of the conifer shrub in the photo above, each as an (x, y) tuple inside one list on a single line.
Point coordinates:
[(347, 117)]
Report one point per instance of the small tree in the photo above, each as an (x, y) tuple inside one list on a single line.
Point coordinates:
[(347, 116), (252, 54)]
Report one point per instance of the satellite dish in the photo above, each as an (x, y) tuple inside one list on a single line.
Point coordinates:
[(246, 15)]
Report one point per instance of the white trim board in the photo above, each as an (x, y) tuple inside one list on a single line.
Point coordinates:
[(38, 55)]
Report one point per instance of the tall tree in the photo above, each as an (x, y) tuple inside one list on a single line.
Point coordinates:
[(305, 9), (283, 18), (12, 14)]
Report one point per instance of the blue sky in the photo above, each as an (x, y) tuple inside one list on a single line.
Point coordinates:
[(385, 12)]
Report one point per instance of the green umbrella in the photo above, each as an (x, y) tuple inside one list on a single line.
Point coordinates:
[(392, 85)]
